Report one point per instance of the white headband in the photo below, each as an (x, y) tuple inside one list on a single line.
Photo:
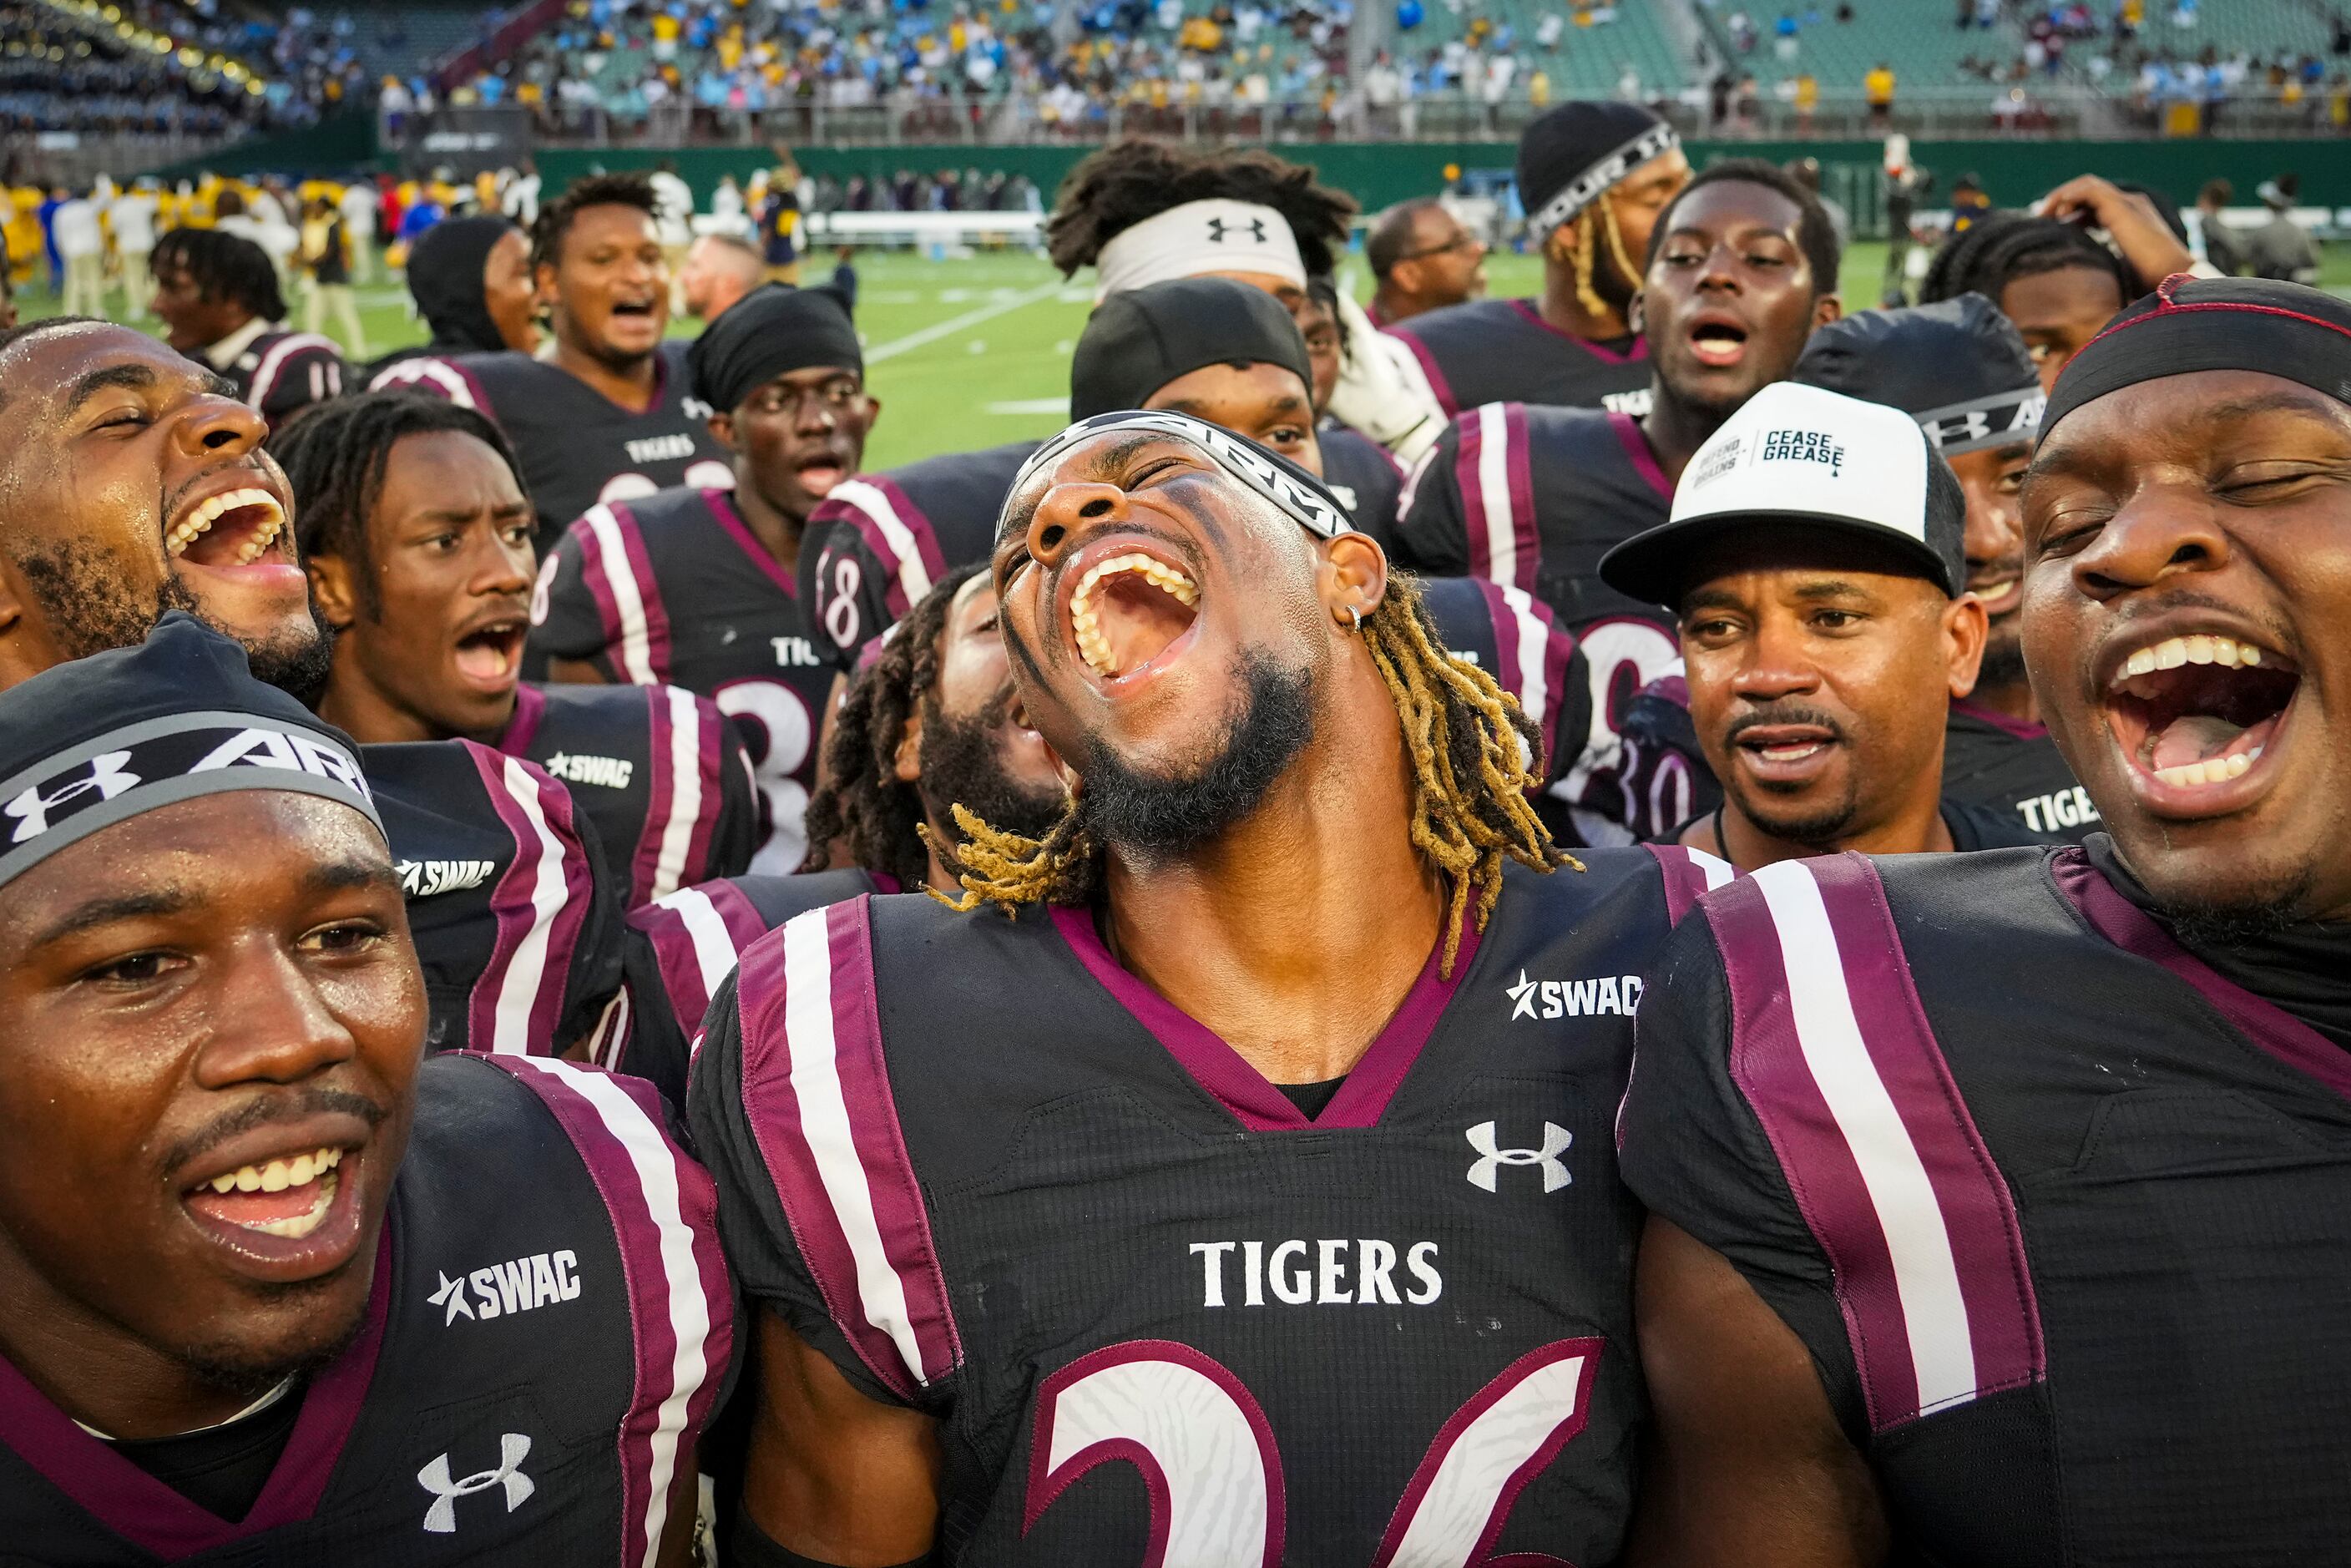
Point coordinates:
[(1197, 239)]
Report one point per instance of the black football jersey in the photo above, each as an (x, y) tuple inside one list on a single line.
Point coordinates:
[(1366, 478), (577, 447), (876, 544), (1517, 640), (1502, 351), (679, 949), (527, 1374), (660, 771), (2059, 1212), (519, 939), (2015, 770), (1533, 497), (280, 373), (675, 589), (1154, 1307)]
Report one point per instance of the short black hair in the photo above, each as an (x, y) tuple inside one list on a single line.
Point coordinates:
[(2002, 247), (223, 266), (1816, 234), (1391, 234), (1137, 178), (556, 218), (336, 453)]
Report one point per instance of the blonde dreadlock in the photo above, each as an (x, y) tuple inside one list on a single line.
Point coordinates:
[(1585, 233), (1474, 756)]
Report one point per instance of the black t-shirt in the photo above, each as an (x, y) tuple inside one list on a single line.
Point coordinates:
[(2305, 968), (222, 1468), (1309, 1098)]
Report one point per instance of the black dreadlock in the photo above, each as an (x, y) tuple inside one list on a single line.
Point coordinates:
[(335, 455), (223, 266), (863, 814), (1118, 187), (556, 218), (1473, 754), (2000, 247)]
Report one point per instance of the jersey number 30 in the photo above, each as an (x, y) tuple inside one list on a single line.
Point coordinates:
[(1214, 1477)]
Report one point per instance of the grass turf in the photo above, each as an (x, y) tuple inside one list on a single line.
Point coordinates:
[(975, 351)]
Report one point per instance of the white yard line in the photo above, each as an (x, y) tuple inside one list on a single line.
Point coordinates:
[(954, 324)]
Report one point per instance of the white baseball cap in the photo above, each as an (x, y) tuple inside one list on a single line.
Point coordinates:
[(1803, 455)]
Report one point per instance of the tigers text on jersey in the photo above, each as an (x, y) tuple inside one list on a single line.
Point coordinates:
[(2007, 766), (876, 544), (1533, 497), (577, 447), (2062, 1216), (1502, 351), (678, 950), (518, 938), (280, 373), (1156, 1310), (675, 589), (660, 771), (529, 1374)]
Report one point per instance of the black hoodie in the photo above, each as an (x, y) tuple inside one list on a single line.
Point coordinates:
[(444, 274)]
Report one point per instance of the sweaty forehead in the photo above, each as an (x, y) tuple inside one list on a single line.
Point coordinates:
[(55, 362)]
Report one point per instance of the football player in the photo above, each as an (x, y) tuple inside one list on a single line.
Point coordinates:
[(1742, 268), (1816, 559), (610, 414), (1960, 369), (931, 722), (1995, 1198), (2053, 280), (470, 278), (256, 1308), (218, 297), (1331, 1075), (1593, 178), (134, 484), (416, 535), (693, 585)]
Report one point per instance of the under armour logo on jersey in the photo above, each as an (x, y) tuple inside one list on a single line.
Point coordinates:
[(440, 1518), (1556, 1139), (31, 809), (1217, 227)]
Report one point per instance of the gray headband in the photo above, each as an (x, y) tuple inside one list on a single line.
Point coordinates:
[(1287, 486), (71, 794)]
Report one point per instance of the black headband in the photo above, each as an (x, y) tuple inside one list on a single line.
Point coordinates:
[(771, 331), (1298, 493), (2191, 324)]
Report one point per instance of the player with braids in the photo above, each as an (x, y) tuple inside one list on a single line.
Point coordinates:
[(218, 297), (1302, 890), (2057, 284), (1474, 759)]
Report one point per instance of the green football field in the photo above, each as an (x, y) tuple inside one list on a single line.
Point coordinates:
[(975, 351)]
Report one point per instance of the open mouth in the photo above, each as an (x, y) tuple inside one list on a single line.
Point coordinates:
[(1128, 610), (1784, 753), (1997, 585), (490, 655), (1718, 344), (237, 528), (819, 473), (2198, 712), (287, 1197), (632, 310)]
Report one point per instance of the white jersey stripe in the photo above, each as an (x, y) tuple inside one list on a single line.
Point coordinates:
[(654, 1162), (1926, 1269), (1534, 645), (1716, 869), (874, 502), (527, 972), (826, 1131), (1494, 490), (264, 376), (408, 373), (714, 946), (684, 791), (628, 599)]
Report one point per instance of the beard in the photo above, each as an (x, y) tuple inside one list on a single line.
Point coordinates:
[(1160, 816), (963, 764), (1815, 825), (2003, 657), (88, 611)]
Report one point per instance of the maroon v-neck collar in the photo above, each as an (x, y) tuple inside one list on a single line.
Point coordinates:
[(522, 725), (740, 531), (2131, 928), (158, 1520), (1241, 1089)]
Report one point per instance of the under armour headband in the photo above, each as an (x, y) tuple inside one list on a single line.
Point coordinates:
[(2214, 324), (1957, 367), (95, 741), (1298, 493), (1199, 237)]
